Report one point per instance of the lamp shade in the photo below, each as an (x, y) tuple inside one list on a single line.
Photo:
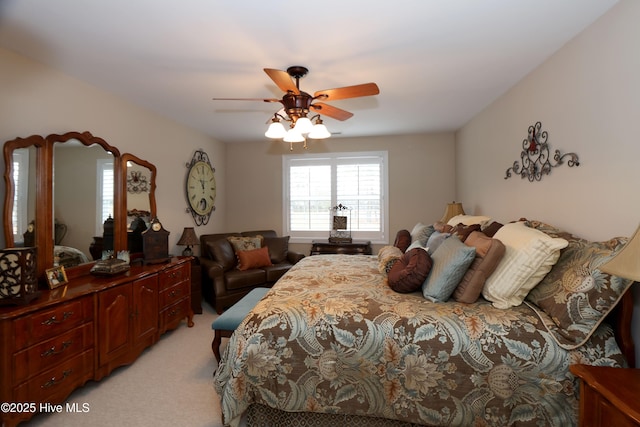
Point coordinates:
[(293, 136), (188, 239), (626, 263), (319, 131), (276, 131), (452, 210), (303, 125)]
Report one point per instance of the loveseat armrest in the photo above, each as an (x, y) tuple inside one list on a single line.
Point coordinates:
[(211, 268), (293, 257)]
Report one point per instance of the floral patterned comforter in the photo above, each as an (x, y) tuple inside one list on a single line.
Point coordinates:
[(332, 337)]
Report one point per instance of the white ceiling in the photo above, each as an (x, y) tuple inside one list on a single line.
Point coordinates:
[(437, 62)]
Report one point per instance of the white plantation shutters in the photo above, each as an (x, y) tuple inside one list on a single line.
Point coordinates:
[(315, 183)]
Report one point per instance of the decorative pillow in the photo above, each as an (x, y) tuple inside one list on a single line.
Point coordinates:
[(387, 256), (420, 233), (403, 240), (436, 240), (575, 294), (463, 231), (409, 271), (254, 258), (469, 220), (442, 227), (278, 248), (529, 256), (450, 262), (491, 229), (245, 243)]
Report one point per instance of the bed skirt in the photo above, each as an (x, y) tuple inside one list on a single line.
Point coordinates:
[(265, 416)]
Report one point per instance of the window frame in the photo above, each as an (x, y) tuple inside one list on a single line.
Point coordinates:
[(20, 197), (307, 236), (102, 166)]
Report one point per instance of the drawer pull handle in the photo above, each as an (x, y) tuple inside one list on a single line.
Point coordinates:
[(174, 293), (175, 312), (53, 320), (53, 381), (52, 351)]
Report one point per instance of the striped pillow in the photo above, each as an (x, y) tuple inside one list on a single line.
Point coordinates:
[(529, 256)]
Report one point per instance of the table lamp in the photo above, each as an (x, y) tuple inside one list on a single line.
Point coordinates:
[(626, 263), (188, 239), (452, 210)]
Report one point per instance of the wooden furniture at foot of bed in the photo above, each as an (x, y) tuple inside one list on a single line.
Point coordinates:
[(608, 396)]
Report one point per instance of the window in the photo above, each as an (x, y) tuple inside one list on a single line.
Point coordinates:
[(20, 196), (105, 195), (315, 183)]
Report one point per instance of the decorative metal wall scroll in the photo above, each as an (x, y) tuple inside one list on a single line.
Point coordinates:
[(535, 159)]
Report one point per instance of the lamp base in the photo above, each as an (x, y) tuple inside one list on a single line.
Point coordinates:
[(187, 251)]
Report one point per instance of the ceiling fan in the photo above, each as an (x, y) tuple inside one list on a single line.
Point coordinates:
[(298, 104)]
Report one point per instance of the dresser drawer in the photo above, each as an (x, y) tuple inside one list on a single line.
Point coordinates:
[(45, 324), (174, 294), (174, 275), (171, 317), (57, 383), (44, 355)]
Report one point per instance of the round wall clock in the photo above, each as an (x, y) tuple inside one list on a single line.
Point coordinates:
[(201, 187)]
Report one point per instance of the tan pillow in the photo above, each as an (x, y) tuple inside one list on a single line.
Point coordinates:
[(254, 258), (529, 256), (245, 243), (469, 220), (387, 256), (489, 252)]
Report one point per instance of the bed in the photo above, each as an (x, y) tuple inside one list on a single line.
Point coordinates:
[(332, 342)]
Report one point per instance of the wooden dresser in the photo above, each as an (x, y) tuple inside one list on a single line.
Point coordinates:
[(84, 330), (608, 396)]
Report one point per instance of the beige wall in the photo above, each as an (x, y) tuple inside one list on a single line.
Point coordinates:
[(421, 179), (587, 97), (39, 100)]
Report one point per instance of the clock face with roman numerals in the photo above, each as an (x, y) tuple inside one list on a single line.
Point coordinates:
[(201, 188)]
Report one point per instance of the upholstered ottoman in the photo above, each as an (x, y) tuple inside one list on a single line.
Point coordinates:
[(228, 321)]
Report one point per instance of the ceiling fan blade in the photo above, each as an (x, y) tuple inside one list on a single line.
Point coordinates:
[(331, 111), (248, 99), (366, 89), (283, 80)]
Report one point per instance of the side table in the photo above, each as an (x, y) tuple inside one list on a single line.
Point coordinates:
[(608, 396), (356, 247)]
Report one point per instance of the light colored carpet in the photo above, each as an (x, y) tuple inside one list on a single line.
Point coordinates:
[(170, 384)]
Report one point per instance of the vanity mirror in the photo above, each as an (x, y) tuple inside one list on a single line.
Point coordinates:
[(138, 186), (59, 191)]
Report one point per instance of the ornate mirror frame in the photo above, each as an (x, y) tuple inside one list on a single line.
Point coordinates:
[(124, 212), (44, 215)]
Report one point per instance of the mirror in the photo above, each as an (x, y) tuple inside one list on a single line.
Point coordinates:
[(22, 159), (60, 218), (83, 199), (138, 184)]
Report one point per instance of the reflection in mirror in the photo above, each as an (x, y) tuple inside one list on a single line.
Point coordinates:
[(139, 182), (83, 199), (23, 214), (23, 162)]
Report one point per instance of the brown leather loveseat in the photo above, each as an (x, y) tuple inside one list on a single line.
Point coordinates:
[(223, 283)]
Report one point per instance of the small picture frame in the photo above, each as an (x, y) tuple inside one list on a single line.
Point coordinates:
[(56, 277)]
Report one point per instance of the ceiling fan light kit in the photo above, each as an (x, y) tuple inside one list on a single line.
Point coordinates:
[(297, 105)]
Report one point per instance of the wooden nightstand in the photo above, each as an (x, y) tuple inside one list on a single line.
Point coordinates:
[(356, 247), (608, 396)]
